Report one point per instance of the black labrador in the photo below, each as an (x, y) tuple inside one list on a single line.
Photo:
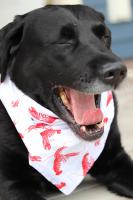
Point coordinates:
[(46, 52)]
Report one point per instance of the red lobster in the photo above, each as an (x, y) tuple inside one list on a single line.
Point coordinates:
[(38, 125), (109, 98), (35, 158), (15, 103), (105, 120), (87, 163), (41, 116), (97, 143), (21, 135), (58, 158), (45, 136), (60, 185)]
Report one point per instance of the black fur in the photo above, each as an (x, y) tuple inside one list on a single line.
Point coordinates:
[(46, 48)]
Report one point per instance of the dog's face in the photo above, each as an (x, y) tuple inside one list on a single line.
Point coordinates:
[(60, 56)]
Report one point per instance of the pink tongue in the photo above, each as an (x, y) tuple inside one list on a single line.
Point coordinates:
[(83, 108)]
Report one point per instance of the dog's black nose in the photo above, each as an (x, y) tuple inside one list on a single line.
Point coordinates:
[(113, 73)]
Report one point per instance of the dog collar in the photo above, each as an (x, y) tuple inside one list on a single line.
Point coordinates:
[(55, 151)]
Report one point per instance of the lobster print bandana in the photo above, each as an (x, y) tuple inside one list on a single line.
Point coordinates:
[(54, 149)]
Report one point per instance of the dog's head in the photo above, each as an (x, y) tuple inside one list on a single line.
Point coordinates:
[(60, 56)]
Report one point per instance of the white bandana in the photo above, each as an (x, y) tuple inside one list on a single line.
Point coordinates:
[(54, 149)]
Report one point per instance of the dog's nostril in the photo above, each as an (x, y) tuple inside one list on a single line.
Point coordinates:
[(113, 73), (109, 75)]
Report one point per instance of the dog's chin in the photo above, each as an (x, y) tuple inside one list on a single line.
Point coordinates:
[(81, 111)]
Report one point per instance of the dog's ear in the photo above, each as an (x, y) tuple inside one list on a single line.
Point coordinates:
[(10, 39)]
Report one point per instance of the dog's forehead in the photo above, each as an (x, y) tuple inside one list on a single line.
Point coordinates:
[(61, 15), (46, 23)]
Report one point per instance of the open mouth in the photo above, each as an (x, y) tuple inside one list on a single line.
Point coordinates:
[(84, 111)]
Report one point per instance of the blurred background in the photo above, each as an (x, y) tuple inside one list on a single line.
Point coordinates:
[(119, 17)]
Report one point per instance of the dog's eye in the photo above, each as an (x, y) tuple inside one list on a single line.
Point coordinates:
[(67, 34), (99, 30), (103, 34)]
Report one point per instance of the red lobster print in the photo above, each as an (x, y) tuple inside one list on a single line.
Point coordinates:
[(15, 103), (87, 163), (21, 135), (38, 125), (60, 185), (41, 116), (58, 158), (97, 143), (105, 120), (45, 136), (35, 158), (109, 98)]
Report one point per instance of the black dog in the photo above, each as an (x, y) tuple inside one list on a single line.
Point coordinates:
[(51, 49)]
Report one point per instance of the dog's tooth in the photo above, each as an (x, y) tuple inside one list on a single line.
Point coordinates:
[(83, 128), (64, 99), (100, 125), (61, 90)]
